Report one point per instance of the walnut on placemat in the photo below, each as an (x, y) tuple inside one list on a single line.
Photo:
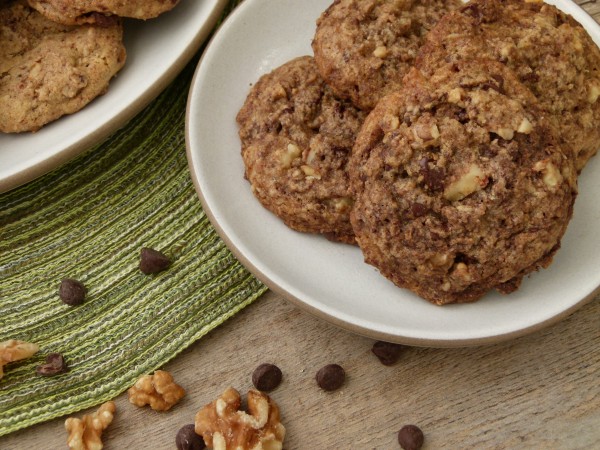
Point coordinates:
[(86, 433), (224, 427), (159, 391), (14, 350)]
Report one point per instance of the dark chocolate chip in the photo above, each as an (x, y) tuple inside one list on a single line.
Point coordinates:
[(55, 364), (418, 210), (331, 377), (266, 377), (71, 292), (433, 177), (153, 261), (410, 437), (387, 352), (187, 439)]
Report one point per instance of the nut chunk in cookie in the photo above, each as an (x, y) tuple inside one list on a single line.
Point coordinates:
[(78, 12), (296, 141), (363, 48), (461, 185), (49, 70), (549, 51), (224, 427)]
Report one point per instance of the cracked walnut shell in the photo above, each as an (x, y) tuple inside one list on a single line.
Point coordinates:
[(14, 350), (159, 391), (85, 433), (224, 427)]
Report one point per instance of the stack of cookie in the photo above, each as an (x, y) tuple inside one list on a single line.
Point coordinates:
[(443, 139), (58, 55)]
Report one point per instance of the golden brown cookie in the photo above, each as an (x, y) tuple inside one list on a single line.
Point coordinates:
[(49, 70), (71, 12), (460, 185), (550, 52), (296, 140), (363, 48)]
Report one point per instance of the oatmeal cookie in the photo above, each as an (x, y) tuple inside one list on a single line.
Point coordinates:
[(460, 184), (72, 12), (296, 140), (551, 53), (363, 48), (48, 70)]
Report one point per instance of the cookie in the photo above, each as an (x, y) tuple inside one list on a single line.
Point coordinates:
[(363, 48), (71, 12), (460, 184), (551, 53), (49, 70), (296, 140)]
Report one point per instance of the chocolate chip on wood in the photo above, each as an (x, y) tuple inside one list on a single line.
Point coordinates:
[(266, 377), (331, 377)]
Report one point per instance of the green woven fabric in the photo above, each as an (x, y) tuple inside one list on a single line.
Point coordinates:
[(88, 220)]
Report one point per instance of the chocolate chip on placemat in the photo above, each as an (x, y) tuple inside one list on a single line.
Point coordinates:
[(387, 352), (266, 377), (153, 261), (331, 377), (187, 439), (410, 437), (55, 364), (72, 292)]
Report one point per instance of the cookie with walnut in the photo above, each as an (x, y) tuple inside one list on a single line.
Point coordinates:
[(460, 183), (71, 12), (48, 69), (549, 51), (296, 141), (363, 48)]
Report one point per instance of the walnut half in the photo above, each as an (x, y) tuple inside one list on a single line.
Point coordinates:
[(159, 391), (224, 427), (85, 434), (13, 350)]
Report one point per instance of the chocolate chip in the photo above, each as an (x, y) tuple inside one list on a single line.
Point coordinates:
[(187, 439), (266, 377), (331, 377), (418, 210), (387, 352), (433, 177), (55, 364), (71, 292), (153, 261), (410, 437)]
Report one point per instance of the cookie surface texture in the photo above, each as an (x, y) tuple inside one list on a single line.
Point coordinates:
[(73, 12), (363, 48), (49, 69), (551, 53), (296, 141), (460, 185)]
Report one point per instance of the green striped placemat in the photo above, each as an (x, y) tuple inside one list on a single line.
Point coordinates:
[(88, 220)]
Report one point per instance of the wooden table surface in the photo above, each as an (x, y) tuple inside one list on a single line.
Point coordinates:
[(541, 391)]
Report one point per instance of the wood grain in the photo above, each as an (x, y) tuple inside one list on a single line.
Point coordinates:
[(538, 391), (541, 391)]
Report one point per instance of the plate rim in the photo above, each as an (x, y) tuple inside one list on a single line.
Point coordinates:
[(119, 120), (315, 311)]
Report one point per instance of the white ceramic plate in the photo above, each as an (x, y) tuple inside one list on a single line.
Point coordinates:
[(331, 280), (157, 50)]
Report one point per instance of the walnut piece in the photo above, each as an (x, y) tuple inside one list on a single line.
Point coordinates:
[(472, 181), (550, 173), (159, 391), (85, 434), (14, 350), (224, 427)]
